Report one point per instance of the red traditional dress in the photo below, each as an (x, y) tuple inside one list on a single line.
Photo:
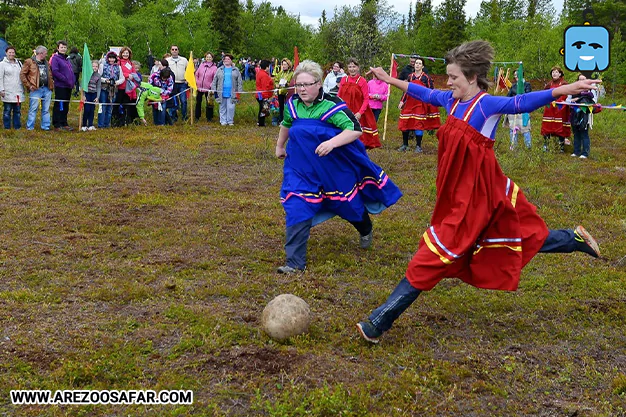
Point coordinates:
[(483, 229), (354, 91), (556, 116), (415, 114)]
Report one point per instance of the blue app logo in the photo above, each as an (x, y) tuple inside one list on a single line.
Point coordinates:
[(586, 48)]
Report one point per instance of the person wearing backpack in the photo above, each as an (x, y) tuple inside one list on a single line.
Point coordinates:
[(581, 118)]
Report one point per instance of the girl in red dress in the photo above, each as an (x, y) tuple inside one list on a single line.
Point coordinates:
[(483, 230), (415, 115), (555, 117), (353, 90)]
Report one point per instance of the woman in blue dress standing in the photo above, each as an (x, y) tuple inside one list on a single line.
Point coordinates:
[(327, 171)]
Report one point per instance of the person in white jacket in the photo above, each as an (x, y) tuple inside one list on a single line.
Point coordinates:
[(11, 90), (178, 65), (331, 82)]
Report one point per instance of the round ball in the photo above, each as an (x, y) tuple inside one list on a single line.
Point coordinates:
[(285, 316)]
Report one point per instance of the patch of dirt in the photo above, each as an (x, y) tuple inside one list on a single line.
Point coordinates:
[(252, 359)]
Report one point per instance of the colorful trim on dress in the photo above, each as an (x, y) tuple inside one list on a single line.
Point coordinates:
[(333, 110), (292, 108), (339, 195), (434, 244)]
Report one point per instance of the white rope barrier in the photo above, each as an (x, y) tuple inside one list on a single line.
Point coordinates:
[(275, 90)]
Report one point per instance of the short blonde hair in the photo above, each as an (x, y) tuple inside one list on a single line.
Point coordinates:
[(309, 67)]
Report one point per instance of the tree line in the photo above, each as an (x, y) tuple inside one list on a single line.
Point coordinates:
[(520, 30)]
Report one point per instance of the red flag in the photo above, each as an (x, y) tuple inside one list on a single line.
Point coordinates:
[(394, 67), (296, 57), (502, 83)]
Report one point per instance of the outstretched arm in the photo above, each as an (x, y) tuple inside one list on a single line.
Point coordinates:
[(383, 76), (575, 88)]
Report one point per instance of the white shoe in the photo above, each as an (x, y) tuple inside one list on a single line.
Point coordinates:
[(83, 129), (574, 155), (91, 128), (583, 157)]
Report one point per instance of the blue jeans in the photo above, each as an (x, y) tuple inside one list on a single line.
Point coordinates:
[(158, 116), (298, 237), (43, 95), (15, 108), (104, 118), (527, 140), (89, 110), (182, 101), (558, 241), (581, 140), (376, 113)]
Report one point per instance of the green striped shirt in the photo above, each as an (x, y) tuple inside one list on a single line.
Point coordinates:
[(343, 119)]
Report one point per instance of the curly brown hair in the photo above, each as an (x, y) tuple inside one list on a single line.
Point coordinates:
[(474, 58)]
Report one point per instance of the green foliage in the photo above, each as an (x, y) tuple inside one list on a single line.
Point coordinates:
[(225, 21), (524, 30), (360, 31), (270, 32), (171, 22), (608, 13), (77, 22)]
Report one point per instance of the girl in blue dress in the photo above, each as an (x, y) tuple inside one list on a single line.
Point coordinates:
[(327, 171)]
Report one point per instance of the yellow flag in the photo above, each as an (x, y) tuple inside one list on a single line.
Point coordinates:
[(189, 73)]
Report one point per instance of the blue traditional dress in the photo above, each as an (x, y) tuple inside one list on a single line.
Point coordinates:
[(345, 182)]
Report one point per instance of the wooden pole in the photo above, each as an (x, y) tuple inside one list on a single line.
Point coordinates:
[(190, 109), (388, 99), (82, 109)]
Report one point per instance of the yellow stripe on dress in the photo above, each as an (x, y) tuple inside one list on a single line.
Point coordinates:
[(434, 250), (514, 194)]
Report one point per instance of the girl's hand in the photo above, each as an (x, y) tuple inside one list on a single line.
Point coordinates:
[(280, 152), (357, 115), (324, 148)]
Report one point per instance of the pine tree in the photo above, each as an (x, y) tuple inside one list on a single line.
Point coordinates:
[(225, 16), (451, 24), (423, 9), (540, 8)]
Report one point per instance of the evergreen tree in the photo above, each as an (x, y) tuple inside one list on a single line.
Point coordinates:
[(423, 9), (225, 15), (451, 24), (540, 8)]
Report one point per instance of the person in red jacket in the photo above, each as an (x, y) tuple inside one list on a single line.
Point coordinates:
[(354, 91), (265, 90), (125, 112), (555, 117)]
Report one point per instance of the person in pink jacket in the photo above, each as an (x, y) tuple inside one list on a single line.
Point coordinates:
[(204, 77), (378, 91)]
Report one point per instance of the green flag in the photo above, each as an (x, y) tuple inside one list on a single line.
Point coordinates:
[(520, 79), (87, 70)]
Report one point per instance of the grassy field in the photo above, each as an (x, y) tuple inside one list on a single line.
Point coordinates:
[(141, 258)]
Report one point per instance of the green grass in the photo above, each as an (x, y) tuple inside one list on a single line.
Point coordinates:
[(141, 258)]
